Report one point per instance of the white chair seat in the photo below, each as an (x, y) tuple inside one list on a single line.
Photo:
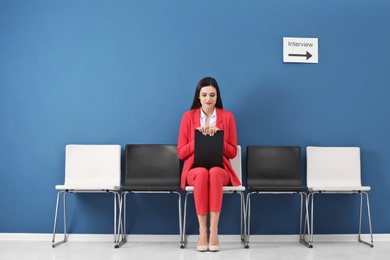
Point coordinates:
[(339, 189), (84, 187), (233, 188)]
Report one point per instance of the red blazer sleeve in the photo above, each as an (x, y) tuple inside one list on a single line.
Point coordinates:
[(185, 144), (230, 138)]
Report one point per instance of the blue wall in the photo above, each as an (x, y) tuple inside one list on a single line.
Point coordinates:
[(123, 72)]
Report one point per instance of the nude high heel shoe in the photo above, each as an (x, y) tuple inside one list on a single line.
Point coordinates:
[(203, 248), (214, 248)]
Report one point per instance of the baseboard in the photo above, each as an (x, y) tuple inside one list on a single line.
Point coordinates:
[(190, 238)]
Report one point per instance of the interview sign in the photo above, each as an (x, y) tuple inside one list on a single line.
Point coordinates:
[(300, 50)]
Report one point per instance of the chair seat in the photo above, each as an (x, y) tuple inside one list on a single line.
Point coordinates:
[(233, 188), (86, 187), (339, 188), (225, 188), (150, 188), (277, 189)]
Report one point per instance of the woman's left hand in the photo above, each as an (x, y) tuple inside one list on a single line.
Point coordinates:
[(212, 130), (208, 130)]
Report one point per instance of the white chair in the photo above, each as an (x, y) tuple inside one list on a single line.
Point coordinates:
[(336, 170), (237, 167), (90, 169)]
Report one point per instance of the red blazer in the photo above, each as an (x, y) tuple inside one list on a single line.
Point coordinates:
[(185, 145)]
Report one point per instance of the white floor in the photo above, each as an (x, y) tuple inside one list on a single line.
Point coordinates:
[(103, 250)]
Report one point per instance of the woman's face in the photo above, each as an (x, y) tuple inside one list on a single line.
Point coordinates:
[(208, 97)]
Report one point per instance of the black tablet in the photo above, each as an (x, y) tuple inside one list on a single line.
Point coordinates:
[(208, 150)]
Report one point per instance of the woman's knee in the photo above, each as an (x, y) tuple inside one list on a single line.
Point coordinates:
[(201, 175), (218, 175)]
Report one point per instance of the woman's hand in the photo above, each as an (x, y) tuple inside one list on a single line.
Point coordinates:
[(208, 130)]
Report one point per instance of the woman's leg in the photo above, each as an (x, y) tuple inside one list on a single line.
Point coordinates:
[(199, 178), (203, 234), (218, 178), (214, 220)]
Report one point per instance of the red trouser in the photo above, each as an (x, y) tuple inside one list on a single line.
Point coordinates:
[(208, 188)]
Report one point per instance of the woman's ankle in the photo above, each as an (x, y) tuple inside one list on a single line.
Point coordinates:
[(213, 238), (203, 237)]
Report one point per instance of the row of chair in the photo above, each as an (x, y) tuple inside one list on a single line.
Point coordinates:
[(155, 168), (330, 170)]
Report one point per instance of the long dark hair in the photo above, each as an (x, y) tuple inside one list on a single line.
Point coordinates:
[(205, 82)]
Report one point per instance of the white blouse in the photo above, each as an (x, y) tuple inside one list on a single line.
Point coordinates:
[(213, 118)]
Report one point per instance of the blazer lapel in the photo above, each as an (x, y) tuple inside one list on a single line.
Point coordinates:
[(196, 118), (219, 118)]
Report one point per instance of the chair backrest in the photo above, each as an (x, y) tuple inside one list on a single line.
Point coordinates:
[(236, 163), (273, 166), (93, 164), (152, 167), (333, 166)]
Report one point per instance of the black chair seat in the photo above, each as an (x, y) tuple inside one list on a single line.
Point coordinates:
[(150, 188), (277, 189)]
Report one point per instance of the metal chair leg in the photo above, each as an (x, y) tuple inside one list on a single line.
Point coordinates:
[(180, 221), (183, 238), (302, 234), (242, 219), (55, 219), (311, 232), (369, 219), (122, 221), (117, 222), (248, 219)]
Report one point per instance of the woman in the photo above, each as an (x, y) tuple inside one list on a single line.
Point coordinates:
[(208, 116)]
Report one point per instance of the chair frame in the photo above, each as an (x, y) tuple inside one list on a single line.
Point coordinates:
[(342, 191), (64, 189), (123, 235), (302, 227), (278, 191), (63, 193), (122, 228), (226, 190), (361, 193)]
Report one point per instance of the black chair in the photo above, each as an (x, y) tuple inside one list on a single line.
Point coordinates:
[(150, 168), (276, 170)]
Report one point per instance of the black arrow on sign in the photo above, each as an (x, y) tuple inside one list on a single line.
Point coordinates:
[(307, 55)]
